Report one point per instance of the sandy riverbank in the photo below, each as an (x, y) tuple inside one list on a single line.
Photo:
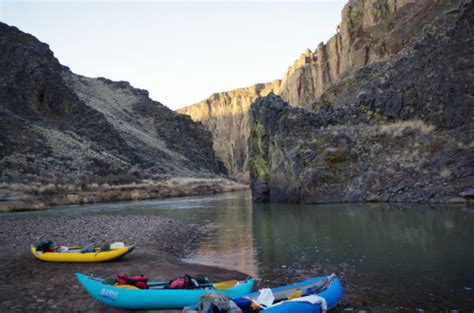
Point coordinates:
[(30, 285), (39, 196)]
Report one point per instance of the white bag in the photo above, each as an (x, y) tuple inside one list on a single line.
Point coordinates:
[(63, 249), (265, 298), (117, 245)]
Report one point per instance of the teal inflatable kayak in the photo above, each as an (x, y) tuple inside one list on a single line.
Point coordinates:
[(157, 296), (310, 296)]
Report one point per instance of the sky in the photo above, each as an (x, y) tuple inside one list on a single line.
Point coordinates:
[(180, 51)]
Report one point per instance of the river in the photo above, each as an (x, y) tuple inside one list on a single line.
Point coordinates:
[(401, 256)]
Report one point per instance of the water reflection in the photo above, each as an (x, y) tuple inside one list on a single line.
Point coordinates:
[(345, 231), (415, 255), (420, 251), (230, 243)]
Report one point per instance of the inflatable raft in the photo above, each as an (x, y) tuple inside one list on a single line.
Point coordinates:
[(74, 254), (314, 295), (156, 296), (310, 296)]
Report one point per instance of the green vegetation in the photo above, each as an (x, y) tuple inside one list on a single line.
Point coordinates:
[(261, 167), (259, 141)]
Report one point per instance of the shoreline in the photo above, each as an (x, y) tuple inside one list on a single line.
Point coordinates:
[(47, 286), (161, 242), (37, 196)]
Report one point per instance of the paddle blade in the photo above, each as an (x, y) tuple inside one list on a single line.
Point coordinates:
[(225, 284), (295, 294)]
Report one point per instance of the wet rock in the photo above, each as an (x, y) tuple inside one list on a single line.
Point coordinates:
[(456, 200), (371, 197), (468, 193)]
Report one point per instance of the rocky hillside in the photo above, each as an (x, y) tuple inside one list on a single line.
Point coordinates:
[(59, 127), (370, 31), (399, 129), (225, 114)]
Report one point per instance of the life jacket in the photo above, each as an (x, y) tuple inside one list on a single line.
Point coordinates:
[(185, 282), (137, 281), (54, 248)]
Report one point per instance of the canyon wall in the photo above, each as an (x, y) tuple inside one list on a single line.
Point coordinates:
[(225, 115), (400, 129), (356, 44), (370, 31)]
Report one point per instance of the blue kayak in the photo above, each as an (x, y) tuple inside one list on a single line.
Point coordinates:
[(156, 297), (327, 289)]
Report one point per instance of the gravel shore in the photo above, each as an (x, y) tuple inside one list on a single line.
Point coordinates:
[(31, 285), (37, 196)]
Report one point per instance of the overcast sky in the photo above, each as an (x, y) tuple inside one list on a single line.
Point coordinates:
[(181, 51)]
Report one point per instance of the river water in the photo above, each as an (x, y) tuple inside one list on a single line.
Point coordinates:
[(388, 255)]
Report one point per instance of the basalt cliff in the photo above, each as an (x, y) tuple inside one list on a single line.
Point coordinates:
[(225, 115), (63, 131), (370, 30), (381, 112), (400, 129)]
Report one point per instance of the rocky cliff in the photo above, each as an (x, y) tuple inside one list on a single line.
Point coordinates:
[(56, 126), (399, 129), (370, 31), (226, 115)]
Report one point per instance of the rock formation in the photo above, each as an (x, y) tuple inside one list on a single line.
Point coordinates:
[(225, 114), (399, 129), (370, 31), (57, 126), (356, 44)]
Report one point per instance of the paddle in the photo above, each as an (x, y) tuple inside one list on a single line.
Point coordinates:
[(225, 284)]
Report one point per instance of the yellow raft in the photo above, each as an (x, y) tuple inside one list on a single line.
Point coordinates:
[(74, 254)]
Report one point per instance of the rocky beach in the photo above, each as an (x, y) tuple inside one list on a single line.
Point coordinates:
[(37, 196), (52, 287)]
